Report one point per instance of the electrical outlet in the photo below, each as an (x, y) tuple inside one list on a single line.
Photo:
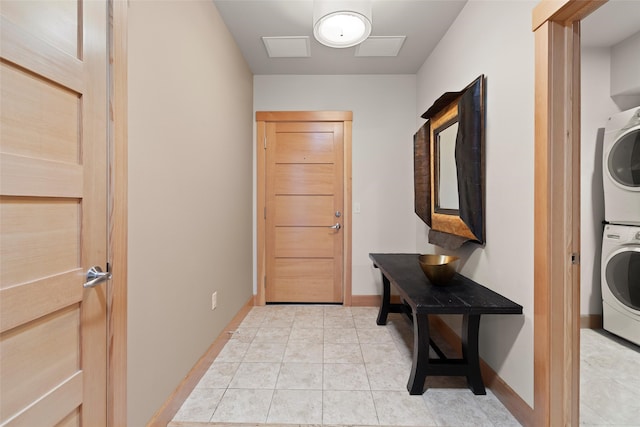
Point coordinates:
[(214, 300)]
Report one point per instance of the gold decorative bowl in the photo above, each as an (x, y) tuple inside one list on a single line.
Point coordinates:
[(439, 269)]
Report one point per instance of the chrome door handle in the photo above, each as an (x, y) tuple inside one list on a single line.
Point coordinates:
[(336, 226), (95, 276)]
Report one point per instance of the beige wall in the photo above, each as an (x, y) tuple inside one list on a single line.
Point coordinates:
[(190, 192), (477, 43), (384, 119)]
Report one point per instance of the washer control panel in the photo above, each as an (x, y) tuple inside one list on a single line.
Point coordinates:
[(623, 234)]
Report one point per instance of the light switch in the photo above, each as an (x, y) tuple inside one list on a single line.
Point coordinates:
[(356, 208)]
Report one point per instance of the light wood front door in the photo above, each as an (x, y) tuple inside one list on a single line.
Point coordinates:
[(304, 213), (53, 212)]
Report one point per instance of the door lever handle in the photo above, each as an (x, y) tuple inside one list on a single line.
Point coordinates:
[(95, 276), (336, 226)]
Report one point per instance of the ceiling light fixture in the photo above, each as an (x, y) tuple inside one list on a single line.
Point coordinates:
[(341, 24)]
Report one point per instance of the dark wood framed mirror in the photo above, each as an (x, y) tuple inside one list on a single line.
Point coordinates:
[(449, 165)]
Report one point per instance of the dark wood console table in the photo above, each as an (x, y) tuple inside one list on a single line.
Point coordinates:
[(420, 299)]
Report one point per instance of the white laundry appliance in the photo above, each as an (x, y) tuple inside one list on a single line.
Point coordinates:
[(621, 168), (621, 281)]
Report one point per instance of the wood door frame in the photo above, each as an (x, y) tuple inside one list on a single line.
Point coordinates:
[(117, 216), (556, 25), (301, 116)]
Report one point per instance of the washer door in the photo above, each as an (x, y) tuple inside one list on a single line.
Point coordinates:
[(624, 161), (622, 274)]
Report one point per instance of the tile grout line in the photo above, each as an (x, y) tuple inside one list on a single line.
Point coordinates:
[(275, 385), (364, 364)]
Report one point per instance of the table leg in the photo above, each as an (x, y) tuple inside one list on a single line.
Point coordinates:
[(386, 300), (420, 354), (470, 330)]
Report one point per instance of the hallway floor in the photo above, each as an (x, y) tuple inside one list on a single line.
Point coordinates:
[(328, 365)]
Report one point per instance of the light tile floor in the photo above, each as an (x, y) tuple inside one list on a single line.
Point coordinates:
[(609, 380), (328, 365)]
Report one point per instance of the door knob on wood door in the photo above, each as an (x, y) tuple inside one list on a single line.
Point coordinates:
[(336, 226), (95, 276)]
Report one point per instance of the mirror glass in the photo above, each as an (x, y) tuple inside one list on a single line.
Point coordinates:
[(446, 200)]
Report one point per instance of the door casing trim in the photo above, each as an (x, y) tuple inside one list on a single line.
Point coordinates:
[(556, 27), (117, 215), (301, 116)]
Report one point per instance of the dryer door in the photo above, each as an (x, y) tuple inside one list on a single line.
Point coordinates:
[(622, 274), (623, 163)]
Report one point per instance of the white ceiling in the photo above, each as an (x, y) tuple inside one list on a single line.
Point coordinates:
[(424, 22)]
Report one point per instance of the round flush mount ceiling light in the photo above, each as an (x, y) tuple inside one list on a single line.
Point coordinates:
[(341, 24)]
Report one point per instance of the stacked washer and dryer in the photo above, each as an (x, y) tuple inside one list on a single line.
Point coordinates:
[(621, 238)]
